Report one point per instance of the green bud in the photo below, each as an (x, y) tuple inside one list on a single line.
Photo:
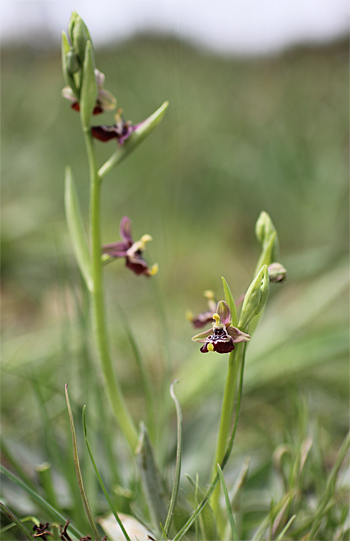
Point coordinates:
[(80, 37), (264, 229), (277, 273), (72, 62), (71, 25), (68, 77), (255, 298)]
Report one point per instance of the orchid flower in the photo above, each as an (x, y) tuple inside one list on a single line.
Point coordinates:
[(105, 101), (222, 337), (132, 251)]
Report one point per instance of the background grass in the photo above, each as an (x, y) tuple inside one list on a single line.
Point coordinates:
[(240, 136)]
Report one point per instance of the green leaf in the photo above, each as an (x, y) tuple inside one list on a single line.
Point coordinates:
[(144, 129), (78, 471), (76, 230), (46, 507), (176, 485), (231, 302), (228, 505), (151, 479), (89, 90)]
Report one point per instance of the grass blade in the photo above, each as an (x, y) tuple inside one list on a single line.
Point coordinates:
[(176, 484), (46, 507), (332, 479), (100, 480), (16, 521), (78, 471), (281, 535), (151, 479), (228, 505)]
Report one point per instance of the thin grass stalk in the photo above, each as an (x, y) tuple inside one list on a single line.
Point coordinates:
[(176, 484), (78, 472), (16, 521), (100, 480), (43, 504), (228, 506), (330, 486)]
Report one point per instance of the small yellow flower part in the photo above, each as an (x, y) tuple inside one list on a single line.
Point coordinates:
[(189, 315), (153, 270), (210, 347), (209, 294), (217, 323)]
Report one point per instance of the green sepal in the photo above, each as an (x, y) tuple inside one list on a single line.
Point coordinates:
[(134, 140), (231, 302), (151, 479), (69, 79), (88, 87), (255, 298), (76, 230)]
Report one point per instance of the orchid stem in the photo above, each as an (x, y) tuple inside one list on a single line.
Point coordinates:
[(234, 362), (112, 385)]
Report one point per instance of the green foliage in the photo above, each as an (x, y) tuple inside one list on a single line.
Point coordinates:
[(241, 135)]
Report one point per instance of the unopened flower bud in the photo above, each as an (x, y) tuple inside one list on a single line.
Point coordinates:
[(71, 25), (264, 229), (277, 273), (72, 62), (79, 35), (255, 298)]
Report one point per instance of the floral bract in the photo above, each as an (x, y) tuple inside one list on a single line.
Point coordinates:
[(222, 337), (132, 251)]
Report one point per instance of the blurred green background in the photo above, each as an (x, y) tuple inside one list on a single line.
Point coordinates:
[(240, 136)]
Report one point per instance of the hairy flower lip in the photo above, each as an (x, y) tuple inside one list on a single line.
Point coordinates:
[(130, 250), (222, 337)]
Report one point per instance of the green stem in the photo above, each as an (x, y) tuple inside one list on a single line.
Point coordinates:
[(113, 388), (234, 362)]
